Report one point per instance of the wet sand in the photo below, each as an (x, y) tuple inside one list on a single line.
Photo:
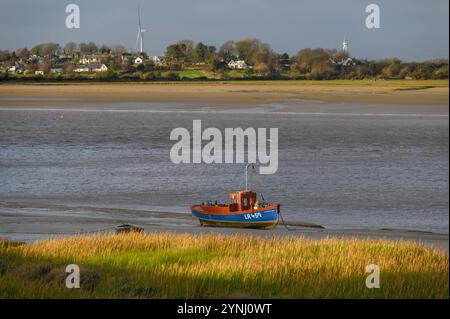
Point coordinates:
[(30, 222), (233, 93)]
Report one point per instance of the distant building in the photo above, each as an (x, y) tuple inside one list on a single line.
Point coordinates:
[(125, 58), (344, 62), (158, 61), (345, 46), (138, 60), (89, 59), (15, 69), (237, 65), (56, 70), (81, 68), (100, 68), (91, 68)]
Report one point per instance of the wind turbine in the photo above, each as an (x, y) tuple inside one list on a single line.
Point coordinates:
[(140, 35)]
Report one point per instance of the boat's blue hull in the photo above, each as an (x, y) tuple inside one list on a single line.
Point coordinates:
[(261, 219)]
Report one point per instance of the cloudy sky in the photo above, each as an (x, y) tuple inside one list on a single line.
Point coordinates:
[(410, 29)]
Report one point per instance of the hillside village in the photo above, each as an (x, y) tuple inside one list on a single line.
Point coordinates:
[(244, 59), (50, 59)]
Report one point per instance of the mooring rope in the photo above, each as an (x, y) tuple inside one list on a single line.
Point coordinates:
[(283, 222)]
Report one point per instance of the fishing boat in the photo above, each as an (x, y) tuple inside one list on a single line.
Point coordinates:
[(243, 209)]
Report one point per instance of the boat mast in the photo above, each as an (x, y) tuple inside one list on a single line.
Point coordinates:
[(246, 174)]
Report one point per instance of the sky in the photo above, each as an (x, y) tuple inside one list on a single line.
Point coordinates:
[(412, 30)]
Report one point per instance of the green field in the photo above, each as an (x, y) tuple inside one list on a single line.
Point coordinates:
[(191, 74), (209, 266)]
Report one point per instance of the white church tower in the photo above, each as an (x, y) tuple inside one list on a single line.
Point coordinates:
[(345, 46)]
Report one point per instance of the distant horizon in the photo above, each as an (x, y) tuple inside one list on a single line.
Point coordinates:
[(413, 31)]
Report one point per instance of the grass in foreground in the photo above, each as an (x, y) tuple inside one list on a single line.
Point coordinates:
[(208, 266)]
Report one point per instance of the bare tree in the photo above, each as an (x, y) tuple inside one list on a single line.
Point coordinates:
[(228, 51), (246, 49), (71, 47), (118, 49), (23, 53)]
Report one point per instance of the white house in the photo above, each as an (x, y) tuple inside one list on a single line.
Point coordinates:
[(157, 60), (125, 58), (348, 62), (344, 62), (82, 68), (56, 70), (237, 65), (91, 68), (100, 68), (138, 60), (88, 59), (15, 69)]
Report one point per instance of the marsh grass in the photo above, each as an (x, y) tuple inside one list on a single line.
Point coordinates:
[(225, 266)]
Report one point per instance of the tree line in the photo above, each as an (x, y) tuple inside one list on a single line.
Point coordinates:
[(263, 61)]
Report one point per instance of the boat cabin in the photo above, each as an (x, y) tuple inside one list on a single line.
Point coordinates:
[(242, 200)]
